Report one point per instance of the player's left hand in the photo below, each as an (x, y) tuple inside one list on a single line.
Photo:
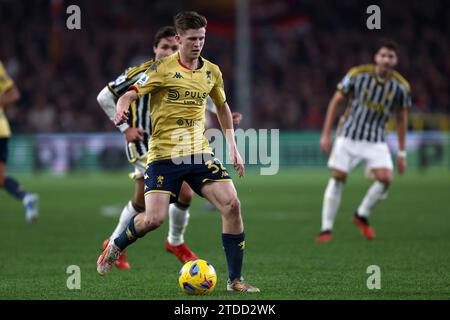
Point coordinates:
[(238, 163), (401, 165), (134, 134), (237, 117)]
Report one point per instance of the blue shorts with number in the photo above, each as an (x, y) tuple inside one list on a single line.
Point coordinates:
[(167, 176), (4, 149)]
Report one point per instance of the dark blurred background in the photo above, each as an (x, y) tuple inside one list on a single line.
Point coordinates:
[(299, 50)]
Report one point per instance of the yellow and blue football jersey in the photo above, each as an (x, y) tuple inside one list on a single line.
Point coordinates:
[(178, 99)]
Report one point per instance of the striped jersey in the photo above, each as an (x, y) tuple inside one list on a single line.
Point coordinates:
[(370, 100), (139, 110)]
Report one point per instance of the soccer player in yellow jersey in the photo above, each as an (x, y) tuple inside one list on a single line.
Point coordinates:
[(178, 150), (137, 131), (8, 95)]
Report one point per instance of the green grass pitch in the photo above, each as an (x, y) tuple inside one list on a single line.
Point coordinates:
[(281, 216)]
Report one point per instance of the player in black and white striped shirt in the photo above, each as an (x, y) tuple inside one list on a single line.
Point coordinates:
[(372, 93)]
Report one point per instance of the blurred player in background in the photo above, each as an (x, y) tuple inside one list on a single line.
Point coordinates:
[(9, 94), (373, 92), (137, 131), (179, 151)]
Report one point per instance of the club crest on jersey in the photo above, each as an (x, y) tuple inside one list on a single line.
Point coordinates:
[(208, 75), (142, 80)]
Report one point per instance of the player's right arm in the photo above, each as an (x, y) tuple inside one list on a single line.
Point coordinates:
[(123, 105), (333, 108), (343, 89), (149, 82)]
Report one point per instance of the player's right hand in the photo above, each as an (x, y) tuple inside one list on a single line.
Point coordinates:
[(325, 143), (134, 134)]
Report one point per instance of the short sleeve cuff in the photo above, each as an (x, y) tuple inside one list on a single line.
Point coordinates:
[(123, 127)]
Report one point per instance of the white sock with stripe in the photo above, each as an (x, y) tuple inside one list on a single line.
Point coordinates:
[(178, 220), (376, 192), (331, 201), (128, 212)]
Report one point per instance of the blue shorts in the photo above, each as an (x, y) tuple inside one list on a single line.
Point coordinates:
[(166, 176), (4, 149)]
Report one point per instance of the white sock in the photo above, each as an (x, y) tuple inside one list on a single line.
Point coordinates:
[(128, 212), (375, 193), (178, 220), (331, 201)]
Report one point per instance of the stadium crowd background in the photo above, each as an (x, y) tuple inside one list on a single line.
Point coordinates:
[(299, 51)]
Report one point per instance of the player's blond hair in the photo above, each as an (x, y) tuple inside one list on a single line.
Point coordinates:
[(189, 20)]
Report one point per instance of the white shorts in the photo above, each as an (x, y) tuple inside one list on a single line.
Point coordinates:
[(347, 153), (139, 169)]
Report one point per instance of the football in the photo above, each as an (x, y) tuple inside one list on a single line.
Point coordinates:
[(197, 277)]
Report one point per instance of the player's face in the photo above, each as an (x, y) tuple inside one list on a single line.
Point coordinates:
[(191, 42), (386, 59), (165, 47)]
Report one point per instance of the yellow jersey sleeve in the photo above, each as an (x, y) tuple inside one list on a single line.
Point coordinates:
[(151, 80), (217, 93), (6, 82)]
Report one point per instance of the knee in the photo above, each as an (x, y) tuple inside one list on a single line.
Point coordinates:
[(185, 196), (152, 223), (385, 179), (233, 206), (339, 175), (138, 204)]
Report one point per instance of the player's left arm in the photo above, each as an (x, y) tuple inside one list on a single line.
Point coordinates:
[(10, 96), (237, 116), (402, 127), (225, 118)]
